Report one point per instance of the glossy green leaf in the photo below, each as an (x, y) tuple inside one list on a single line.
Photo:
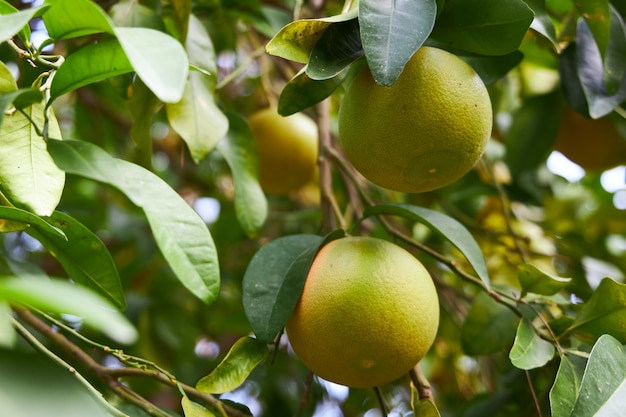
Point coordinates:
[(20, 99), (180, 233), (7, 82), (158, 59), (603, 387), (529, 351), (8, 336), (565, 389), (29, 178), (537, 281), (532, 132), (597, 16), (14, 22), (264, 280), (242, 358), (338, 47), (590, 72), (92, 63), (62, 297), (295, 40), (391, 32), (176, 16), (239, 150), (129, 13), (73, 18), (442, 224), (486, 27), (196, 118), (301, 92), (488, 328), (193, 409), (425, 408), (542, 23), (200, 48), (83, 256), (492, 68), (28, 218), (604, 312)]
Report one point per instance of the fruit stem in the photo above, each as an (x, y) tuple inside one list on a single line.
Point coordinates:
[(381, 401), (424, 389)]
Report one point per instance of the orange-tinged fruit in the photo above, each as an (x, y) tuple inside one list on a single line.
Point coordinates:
[(594, 144), (425, 131), (368, 313), (287, 150)]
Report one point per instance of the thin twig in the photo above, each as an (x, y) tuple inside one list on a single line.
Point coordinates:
[(533, 393), (329, 207), (381, 401)]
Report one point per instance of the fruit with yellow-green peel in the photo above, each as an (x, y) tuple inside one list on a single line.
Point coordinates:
[(425, 131), (368, 313), (288, 148)]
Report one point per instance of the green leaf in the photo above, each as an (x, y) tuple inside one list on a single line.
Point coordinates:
[(13, 22), (242, 358), (176, 16), (92, 63), (425, 408), (143, 105), (536, 281), (302, 92), (529, 351), (565, 389), (239, 150), (489, 327), (442, 224), (532, 132), (61, 297), (485, 27), (83, 256), (193, 409), (158, 59), (29, 178), (7, 82), (604, 312), (391, 32), (603, 387), (8, 336), (338, 47), (180, 233), (26, 217), (129, 13), (22, 98), (73, 18), (491, 68), (542, 23), (200, 48), (267, 304), (295, 40), (196, 118)]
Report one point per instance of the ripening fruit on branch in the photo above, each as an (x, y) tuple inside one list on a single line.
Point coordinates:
[(595, 145), (425, 131), (368, 313), (287, 150)]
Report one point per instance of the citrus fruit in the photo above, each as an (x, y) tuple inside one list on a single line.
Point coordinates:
[(425, 131), (595, 145), (368, 313), (287, 150)]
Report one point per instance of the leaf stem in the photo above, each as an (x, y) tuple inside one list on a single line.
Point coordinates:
[(381, 401), (422, 385)]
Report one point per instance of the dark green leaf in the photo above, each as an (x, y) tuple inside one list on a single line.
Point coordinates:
[(295, 40), (13, 22), (338, 47), (536, 281), (604, 312), (492, 68), (442, 224), (485, 27), (92, 63), (566, 386), (180, 233), (603, 387), (529, 351), (73, 18), (196, 118), (489, 327), (391, 32), (570, 81), (29, 178), (83, 256), (302, 92), (267, 305), (26, 217), (542, 23), (158, 59), (239, 150), (60, 297), (176, 16), (532, 132), (242, 358), (143, 105)]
